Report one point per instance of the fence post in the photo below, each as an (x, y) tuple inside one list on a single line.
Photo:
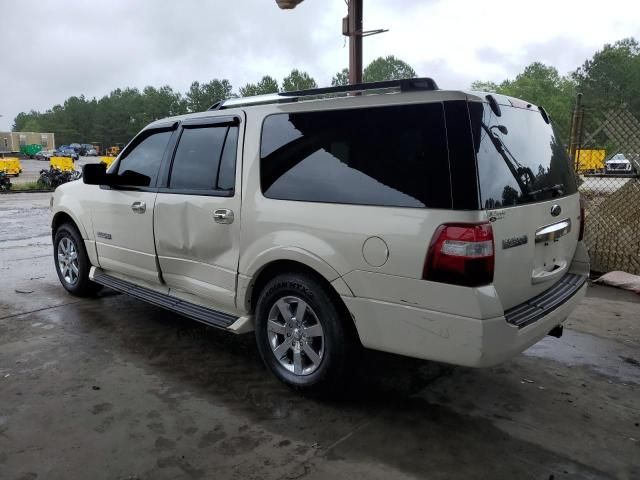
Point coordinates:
[(576, 131)]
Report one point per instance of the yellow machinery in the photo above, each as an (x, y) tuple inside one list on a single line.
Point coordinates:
[(65, 164), (107, 160), (114, 150), (10, 166), (590, 160)]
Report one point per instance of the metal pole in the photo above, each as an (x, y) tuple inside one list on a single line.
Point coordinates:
[(355, 41), (576, 126)]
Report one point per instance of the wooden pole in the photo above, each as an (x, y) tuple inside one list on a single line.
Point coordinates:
[(355, 41), (576, 128)]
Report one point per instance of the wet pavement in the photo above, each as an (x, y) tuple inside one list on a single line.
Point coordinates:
[(112, 388)]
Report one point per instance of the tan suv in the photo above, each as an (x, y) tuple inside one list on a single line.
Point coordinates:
[(443, 225)]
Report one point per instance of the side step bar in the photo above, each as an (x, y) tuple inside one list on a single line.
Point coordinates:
[(190, 310)]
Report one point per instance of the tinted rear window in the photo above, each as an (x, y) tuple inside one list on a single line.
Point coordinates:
[(205, 159), (521, 164), (392, 156)]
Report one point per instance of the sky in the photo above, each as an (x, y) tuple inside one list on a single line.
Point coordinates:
[(51, 50)]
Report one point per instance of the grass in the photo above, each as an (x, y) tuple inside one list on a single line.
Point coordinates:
[(25, 186)]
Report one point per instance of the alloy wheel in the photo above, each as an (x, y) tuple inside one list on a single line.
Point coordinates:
[(295, 335), (68, 260)]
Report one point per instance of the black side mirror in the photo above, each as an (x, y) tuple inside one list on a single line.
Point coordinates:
[(94, 173)]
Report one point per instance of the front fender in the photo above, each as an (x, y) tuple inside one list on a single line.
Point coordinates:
[(67, 199)]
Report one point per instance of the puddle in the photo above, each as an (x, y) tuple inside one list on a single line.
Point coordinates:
[(605, 356)]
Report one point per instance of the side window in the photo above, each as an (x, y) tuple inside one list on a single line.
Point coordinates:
[(145, 157), (392, 156), (205, 159)]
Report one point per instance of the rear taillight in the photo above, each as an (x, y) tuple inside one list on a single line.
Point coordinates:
[(461, 254), (582, 219)]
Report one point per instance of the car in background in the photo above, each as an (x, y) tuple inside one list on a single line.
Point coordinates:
[(92, 152), (618, 164), (67, 151), (44, 154), (77, 147), (85, 149)]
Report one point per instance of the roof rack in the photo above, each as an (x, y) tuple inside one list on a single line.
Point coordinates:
[(403, 85)]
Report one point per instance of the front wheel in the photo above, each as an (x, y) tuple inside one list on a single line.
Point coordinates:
[(302, 335), (72, 263)]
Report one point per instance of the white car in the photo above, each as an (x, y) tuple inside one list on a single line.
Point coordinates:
[(442, 225), (618, 164)]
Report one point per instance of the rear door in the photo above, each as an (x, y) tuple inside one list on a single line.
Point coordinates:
[(123, 216), (528, 190), (197, 212)]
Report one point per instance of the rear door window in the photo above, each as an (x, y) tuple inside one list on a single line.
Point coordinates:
[(205, 159), (389, 156), (520, 159)]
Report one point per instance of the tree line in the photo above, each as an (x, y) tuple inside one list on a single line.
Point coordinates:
[(609, 79), (118, 116)]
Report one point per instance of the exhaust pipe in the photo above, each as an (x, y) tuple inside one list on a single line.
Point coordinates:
[(556, 331)]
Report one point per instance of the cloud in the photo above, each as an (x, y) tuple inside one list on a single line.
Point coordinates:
[(72, 47)]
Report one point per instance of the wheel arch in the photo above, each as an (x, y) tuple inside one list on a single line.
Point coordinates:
[(276, 267), (63, 216)]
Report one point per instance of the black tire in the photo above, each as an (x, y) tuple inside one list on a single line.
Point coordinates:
[(339, 344), (79, 286)]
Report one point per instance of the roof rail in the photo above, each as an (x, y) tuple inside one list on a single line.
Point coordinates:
[(403, 85)]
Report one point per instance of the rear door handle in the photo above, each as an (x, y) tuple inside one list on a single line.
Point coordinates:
[(553, 231), (139, 207), (223, 215)]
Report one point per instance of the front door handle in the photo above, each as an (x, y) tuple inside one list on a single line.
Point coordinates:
[(139, 207), (223, 215)]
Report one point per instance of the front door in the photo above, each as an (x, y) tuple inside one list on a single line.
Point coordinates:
[(123, 217), (197, 213)]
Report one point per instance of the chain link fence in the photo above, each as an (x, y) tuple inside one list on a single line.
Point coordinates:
[(606, 151)]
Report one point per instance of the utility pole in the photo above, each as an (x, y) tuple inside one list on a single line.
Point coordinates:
[(354, 32), (352, 28)]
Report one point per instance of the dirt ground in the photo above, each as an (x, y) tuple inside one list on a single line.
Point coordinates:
[(112, 388)]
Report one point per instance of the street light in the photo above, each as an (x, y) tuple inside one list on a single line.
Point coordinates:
[(288, 4)]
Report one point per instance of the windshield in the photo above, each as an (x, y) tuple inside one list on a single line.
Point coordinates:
[(519, 157)]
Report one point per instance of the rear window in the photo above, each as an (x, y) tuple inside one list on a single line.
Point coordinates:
[(520, 159), (390, 156)]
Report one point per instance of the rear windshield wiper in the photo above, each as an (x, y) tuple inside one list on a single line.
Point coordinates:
[(522, 175), (557, 188)]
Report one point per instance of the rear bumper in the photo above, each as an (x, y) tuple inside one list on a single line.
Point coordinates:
[(454, 339)]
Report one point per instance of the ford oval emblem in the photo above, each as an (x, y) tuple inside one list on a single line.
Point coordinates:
[(556, 210)]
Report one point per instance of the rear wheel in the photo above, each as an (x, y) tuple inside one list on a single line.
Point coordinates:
[(301, 334), (72, 263)]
